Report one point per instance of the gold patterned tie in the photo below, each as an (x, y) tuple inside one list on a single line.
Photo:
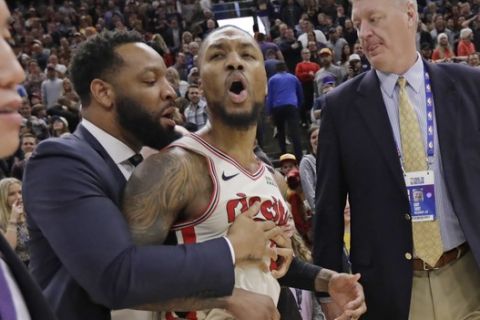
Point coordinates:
[(426, 234)]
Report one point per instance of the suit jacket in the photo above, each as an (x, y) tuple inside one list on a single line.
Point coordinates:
[(82, 254), (357, 155), (36, 304)]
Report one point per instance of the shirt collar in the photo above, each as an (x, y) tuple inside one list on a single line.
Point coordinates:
[(414, 77), (200, 104), (116, 149)]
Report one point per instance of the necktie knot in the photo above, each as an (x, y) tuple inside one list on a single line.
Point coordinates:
[(135, 159), (402, 82)]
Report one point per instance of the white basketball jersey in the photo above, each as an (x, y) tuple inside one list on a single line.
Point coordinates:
[(234, 191)]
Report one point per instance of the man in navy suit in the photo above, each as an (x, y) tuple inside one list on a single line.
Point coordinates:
[(82, 254), (20, 296), (361, 153)]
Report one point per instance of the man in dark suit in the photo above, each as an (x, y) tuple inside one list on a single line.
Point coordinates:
[(82, 254), (364, 151), (20, 296)]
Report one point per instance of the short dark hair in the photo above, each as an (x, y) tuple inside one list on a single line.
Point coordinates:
[(192, 86), (281, 66), (28, 135), (96, 59)]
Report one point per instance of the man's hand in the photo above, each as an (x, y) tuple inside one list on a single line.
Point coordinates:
[(331, 310), (347, 293), (247, 305), (249, 238), (283, 255)]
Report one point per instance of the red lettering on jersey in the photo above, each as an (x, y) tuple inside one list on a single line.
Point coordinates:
[(272, 210), (252, 201), (266, 209), (236, 206)]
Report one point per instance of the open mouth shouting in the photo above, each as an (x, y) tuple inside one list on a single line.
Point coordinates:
[(237, 89)]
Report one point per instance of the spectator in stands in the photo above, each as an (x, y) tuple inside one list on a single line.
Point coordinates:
[(13, 224), (308, 168), (268, 45), (290, 12), (271, 62), (426, 51), (349, 33), (443, 51), (181, 65), (291, 49), (34, 78), (440, 27), (474, 60), (285, 96), (301, 212), (307, 28), (37, 126), (327, 67), (194, 76), (69, 93), (358, 49), (196, 115), (423, 36), (465, 45), (336, 42), (346, 52), (28, 143), (52, 87), (328, 82), (354, 66), (280, 34), (39, 54), (59, 127), (305, 72), (180, 86)]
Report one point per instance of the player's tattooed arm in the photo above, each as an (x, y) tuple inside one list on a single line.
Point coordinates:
[(159, 191)]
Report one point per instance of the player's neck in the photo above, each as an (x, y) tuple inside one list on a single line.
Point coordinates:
[(237, 143)]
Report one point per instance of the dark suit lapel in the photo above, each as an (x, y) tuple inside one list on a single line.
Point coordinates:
[(85, 135), (372, 108)]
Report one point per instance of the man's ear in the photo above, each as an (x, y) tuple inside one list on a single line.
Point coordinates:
[(412, 15), (102, 92)]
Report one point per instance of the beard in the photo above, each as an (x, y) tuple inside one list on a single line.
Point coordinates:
[(142, 125), (240, 121)]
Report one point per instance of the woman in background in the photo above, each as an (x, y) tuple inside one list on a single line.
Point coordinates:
[(12, 217)]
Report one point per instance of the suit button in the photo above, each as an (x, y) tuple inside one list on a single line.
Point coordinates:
[(408, 256), (407, 217)]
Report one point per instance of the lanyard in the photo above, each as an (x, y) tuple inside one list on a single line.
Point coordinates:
[(429, 105)]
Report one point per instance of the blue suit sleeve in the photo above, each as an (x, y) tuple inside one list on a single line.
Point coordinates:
[(70, 205)]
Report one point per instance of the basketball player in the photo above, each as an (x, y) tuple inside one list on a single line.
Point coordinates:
[(200, 183)]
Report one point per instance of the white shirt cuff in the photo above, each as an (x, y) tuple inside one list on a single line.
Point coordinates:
[(231, 249)]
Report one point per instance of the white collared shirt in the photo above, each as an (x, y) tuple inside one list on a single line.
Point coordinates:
[(116, 149), (452, 234)]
